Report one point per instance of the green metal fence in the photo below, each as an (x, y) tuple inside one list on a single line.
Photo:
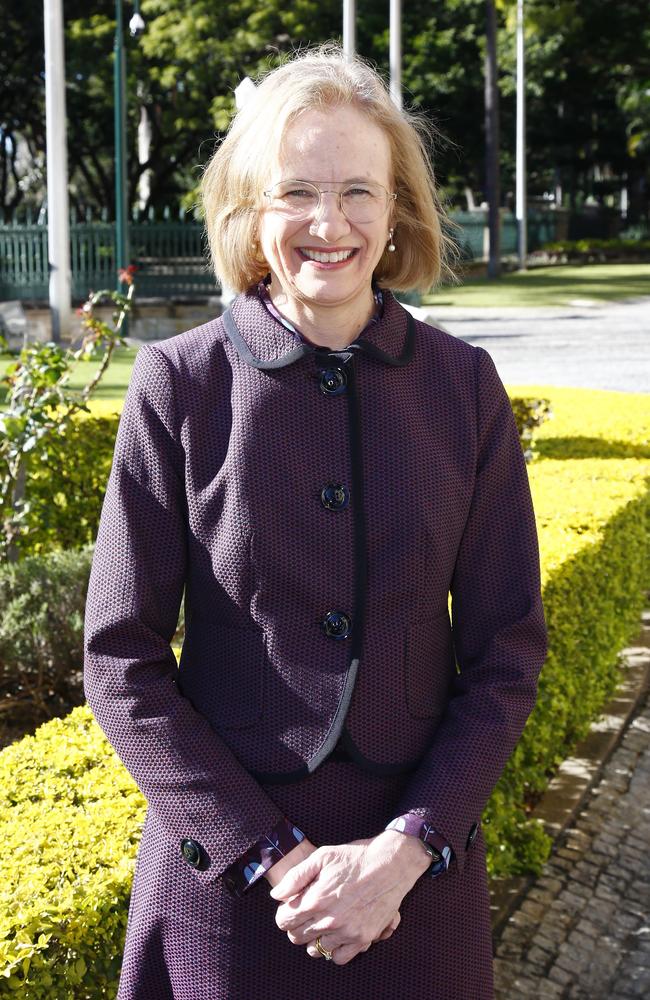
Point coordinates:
[(170, 254)]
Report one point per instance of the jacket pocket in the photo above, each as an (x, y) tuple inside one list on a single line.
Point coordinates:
[(222, 670), (429, 665)]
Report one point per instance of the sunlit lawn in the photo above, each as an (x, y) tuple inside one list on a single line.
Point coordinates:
[(549, 286), (112, 386)]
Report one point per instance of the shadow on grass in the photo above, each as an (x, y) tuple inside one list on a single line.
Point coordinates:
[(589, 447), (602, 283)]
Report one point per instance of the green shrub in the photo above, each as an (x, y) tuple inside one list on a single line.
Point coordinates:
[(67, 863), (42, 604), (591, 492), (593, 250), (530, 413), (66, 486)]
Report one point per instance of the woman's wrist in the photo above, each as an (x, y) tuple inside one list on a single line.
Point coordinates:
[(293, 857), (409, 853)]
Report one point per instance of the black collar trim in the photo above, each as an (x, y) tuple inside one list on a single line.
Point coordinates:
[(361, 345)]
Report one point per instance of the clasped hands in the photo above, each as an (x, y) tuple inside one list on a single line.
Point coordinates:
[(349, 894)]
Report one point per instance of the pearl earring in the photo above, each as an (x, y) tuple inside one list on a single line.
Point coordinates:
[(391, 245)]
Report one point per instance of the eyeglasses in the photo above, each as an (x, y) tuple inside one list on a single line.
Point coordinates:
[(359, 202)]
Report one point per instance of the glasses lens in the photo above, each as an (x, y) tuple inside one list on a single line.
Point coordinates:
[(295, 199), (361, 202), (364, 202)]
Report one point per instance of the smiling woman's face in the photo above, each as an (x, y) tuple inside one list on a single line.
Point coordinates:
[(327, 148)]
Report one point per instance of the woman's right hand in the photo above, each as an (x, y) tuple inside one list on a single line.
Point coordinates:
[(299, 853)]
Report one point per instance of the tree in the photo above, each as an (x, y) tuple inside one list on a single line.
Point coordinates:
[(588, 67), (492, 141), (588, 63)]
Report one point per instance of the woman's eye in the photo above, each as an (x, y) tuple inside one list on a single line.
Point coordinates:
[(358, 192), (298, 193)]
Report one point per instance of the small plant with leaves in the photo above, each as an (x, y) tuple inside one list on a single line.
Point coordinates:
[(40, 404)]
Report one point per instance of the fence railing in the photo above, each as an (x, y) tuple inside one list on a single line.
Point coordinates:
[(170, 254)]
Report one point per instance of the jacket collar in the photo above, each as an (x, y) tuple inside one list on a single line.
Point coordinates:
[(263, 342)]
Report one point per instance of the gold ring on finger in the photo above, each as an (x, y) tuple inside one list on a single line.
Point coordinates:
[(324, 952)]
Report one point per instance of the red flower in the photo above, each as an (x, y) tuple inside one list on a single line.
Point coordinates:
[(125, 274)]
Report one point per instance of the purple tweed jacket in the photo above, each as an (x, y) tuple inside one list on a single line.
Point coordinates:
[(275, 844), (316, 514)]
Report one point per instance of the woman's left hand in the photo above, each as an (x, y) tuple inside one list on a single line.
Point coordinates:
[(348, 893)]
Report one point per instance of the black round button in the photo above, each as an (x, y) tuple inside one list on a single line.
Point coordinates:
[(191, 851), (473, 830), (336, 625), (334, 496), (333, 381)]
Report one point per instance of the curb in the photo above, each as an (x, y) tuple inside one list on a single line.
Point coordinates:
[(569, 788)]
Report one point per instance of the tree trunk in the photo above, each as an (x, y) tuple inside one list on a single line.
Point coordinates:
[(492, 173)]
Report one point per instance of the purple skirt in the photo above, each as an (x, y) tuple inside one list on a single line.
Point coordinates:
[(186, 941)]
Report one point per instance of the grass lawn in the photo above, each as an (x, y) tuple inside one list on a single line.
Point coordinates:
[(110, 390), (548, 286), (113, 384)]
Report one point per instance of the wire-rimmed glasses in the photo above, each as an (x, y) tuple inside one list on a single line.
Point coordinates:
[(360, 201)]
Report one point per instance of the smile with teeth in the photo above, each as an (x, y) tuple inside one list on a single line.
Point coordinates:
[(327, 258)]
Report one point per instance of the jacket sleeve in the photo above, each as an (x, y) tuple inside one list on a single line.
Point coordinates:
[(498, 628), (202, 796), (260, 858), (414, 826)]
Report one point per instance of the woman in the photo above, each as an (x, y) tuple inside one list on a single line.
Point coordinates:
[(318, 472)]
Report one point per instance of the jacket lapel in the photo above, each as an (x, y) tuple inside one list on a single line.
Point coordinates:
[(262, 342)]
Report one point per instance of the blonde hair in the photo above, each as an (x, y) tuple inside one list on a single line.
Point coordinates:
[(231, 184)]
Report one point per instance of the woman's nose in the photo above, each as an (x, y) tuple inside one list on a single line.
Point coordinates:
[(329, 221)]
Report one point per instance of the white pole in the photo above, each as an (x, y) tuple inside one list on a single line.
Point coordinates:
[(349, 27), (58, 233), (520, 205), (243, 93), (395, 51), (144, 148)]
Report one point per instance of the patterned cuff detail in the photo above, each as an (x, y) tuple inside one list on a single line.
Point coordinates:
[(414, 825), (256, 861)]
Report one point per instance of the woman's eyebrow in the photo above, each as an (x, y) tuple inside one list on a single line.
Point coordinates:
[(348, 180)]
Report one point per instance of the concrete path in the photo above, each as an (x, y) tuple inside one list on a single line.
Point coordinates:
[(598, 346), (583, 930)]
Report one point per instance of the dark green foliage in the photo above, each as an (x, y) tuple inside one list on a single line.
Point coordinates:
[(590, 251), (588, 75), (42, 603)]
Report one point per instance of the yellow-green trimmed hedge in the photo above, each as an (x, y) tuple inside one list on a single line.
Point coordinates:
[(71, 816), (591, 492), (71, 820)]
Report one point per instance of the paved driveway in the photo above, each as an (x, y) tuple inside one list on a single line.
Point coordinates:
[(591, 346), (583, 932)]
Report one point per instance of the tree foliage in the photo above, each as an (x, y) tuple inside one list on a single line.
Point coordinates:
[(588, 89)]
